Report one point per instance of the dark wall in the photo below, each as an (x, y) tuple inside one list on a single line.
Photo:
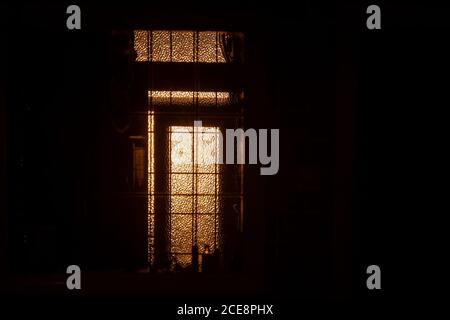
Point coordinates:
[(303, 75), (3, 171), (300, 77), (54, 102)]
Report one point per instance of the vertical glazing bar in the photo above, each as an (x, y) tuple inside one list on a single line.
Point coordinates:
[(170, 46), (194, 149), (150, 151), (216, 46), (194, 48), (216, 186), (194, 187), (170, 59), (170, 191), (150, 44)]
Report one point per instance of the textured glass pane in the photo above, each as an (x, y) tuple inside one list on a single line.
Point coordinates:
[(183, 168), (181, 183), (141, 45), (181, 204), (159, 97), (187, 98), (206, 168), (184, 148), (206, 183), (151, 191), (205, 232), (207, 149), (182, 46), (206, 204), (183, 259), (150, 188), (183, 129), (181, 149), (151, 241), (151, 225), (223, 98), (181, 233), (184, 98), (206, 146), (206, 98), (151, 163), (161, 46), (151, 235), (207, 47)]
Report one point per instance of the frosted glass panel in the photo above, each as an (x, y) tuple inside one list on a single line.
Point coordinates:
[(181, 183), (161, 46), (191, 189), (206, 183), (206, 232), (207, 146), (181, 204), (178, 46), (223, 98), (181, 235), (182, 46), (207, 98), (185, 98), (206, 204), (188, 98), (199, 144), (194, 197), (207, 46), (181, 149), (159, 97), (141, 45)]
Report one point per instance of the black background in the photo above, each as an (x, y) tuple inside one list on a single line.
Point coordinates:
[(373, 99)]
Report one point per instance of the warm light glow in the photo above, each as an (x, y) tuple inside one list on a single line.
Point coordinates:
[(178, 46), (205, 98), (193, 175), (151, 189), (194, 189)]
